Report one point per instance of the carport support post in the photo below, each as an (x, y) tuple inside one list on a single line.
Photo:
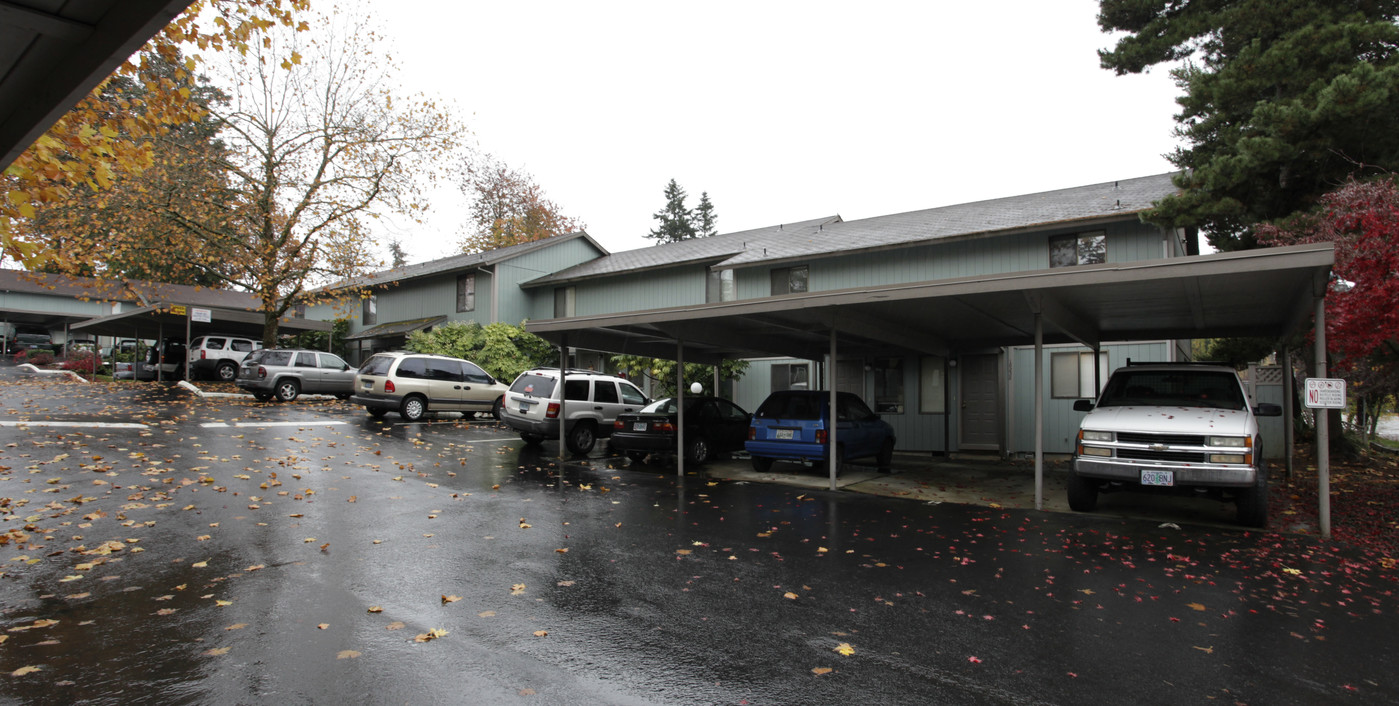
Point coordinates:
[(563, 395), (1039, 410), (1288, 385), (679, 408), (1323, 435), (834, 415)]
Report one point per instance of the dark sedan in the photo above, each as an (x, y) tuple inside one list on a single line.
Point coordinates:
[(712, 426)]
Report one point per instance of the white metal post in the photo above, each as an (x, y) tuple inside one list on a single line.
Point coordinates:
[(679, 408), (1039, 410), (1323, 435), (831, 424)]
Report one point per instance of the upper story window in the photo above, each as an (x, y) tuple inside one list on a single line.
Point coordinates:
[(1078, 249), (563, 302), (466, 292), (299, 311), (720, 286), (790, 280), (369, 312)]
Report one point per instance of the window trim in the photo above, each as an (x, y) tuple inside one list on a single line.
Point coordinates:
[(1080, 253)]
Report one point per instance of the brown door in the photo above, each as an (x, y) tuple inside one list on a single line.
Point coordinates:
[(981, 418)]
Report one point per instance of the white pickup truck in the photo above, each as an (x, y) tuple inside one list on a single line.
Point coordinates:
[(1173, 427)]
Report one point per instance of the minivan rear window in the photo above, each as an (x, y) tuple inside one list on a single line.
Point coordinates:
[(378, 365), (535, 385)]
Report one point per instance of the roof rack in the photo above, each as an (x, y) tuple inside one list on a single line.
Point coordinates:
[(1130, 362)]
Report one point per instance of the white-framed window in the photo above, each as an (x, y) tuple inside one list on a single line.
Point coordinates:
[(466, 292), (564, 302), (1078, 249), (719, 287), (888, 374), (790, 280), (932, 385), (369, 313), (1071, 374), (790, 376)]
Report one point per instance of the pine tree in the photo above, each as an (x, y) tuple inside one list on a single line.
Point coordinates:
[(676, 222), (706, 223)]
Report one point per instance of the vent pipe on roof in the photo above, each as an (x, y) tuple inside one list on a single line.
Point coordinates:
[(1114, 185)]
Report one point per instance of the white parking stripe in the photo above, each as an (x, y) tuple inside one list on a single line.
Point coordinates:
[(226, 425), (93, 425)]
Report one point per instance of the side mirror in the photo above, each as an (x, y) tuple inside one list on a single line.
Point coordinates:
[(1268, 409), (1083, 405)]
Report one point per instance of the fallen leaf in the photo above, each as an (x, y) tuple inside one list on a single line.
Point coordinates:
[(346, 654), (486, 614), (563, 550), (790, 596), (322, 626), (432, 634), (517, 589), (395, 625), (217, 651), (236, 626), (540, 633), (450, 599), (845, 649), (1194, 606), (1207, 650), (222, 603), (375, 609), (818, 671), (24, 670)]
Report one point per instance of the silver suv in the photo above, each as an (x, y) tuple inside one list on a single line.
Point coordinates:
[(592, 403), (415, 384), (1173, 427), (283, 374)]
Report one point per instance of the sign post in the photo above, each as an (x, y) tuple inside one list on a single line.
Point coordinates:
[(1323, 394)]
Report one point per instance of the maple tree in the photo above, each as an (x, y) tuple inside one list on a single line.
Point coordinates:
[(501, 349), (508, 207), (111, 132), (1362, 316)]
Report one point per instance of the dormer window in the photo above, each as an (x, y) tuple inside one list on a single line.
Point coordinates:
[(1078, 249)]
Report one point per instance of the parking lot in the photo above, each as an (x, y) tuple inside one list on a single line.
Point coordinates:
[(164, 547)]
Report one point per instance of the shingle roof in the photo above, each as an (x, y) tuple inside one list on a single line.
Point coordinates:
[(714, 248), (124, 290), (458, 263), (1064, 206)]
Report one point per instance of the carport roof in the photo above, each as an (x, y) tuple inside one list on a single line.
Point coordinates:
[(1268, 292), (155, 321)]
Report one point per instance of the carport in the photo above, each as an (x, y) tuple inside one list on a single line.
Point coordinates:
[(153, 322), (1271, 293)]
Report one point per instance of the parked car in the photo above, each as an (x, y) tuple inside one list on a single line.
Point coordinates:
[(283, 374), (712, 426), (416, 384), (25, 341), (793, 425), (1184, 428), (592, 404), (219, 356), (168, 356)]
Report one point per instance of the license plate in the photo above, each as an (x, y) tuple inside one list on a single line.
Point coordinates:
[(783, 434), (524, 409), (638, 426), (1158, 477)]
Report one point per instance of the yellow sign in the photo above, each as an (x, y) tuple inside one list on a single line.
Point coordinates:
[(178, 309)]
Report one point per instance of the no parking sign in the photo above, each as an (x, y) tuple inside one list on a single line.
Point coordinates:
[(1325, 393)]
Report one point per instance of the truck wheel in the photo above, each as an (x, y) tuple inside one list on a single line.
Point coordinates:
[(581, 438), (1253, 503), (1083, 493)]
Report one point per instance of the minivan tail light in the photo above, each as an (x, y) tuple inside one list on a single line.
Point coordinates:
[(552, 412), (388, 386)]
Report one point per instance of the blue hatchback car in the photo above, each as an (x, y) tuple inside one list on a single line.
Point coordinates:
[(792, 426)]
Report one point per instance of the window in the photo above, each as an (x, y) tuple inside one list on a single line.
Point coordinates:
[(789, 280), (241, 345), (605, 392), (1078, 249), (563, 302), (466, 292), (790, 377), (475, 375), (369, 315), (888, 376), (577, 390), (299, 311), (305, 360), (447, 370), (1071, 375), (932, 385), (720, 286), (214, 344), (331, 361), (631, 395)]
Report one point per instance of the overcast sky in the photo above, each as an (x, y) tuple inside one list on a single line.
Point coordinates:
[(781, 111)]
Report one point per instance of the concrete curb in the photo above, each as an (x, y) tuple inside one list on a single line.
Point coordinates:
[(71, 375)]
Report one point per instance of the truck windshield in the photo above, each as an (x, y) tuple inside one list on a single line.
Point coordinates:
[(1186, 388)]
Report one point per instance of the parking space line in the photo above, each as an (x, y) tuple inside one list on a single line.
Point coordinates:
[(92, 425), (241, 425)]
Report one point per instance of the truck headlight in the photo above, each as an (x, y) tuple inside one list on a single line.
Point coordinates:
[(1097, 435), (1235, 442)]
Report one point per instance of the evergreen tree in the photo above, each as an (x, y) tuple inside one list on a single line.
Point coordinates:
[(676, 220), (1284, 99), (706, 223), (397, 257)]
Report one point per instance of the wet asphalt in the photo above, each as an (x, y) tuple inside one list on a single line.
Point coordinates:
[(222, 551)]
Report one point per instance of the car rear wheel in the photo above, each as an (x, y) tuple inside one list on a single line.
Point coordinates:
[(227, 371), (377, 412), (762, 465), (262, 396), (697, 451), (581, 438), (412, 408), (498, 409), (531, 439), (885, 459), (287, 390), (637, 456), (1083, 493)]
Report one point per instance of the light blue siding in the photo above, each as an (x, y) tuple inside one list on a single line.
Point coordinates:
[(1060, 420)]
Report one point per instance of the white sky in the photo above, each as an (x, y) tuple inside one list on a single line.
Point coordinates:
[(782, 111)]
